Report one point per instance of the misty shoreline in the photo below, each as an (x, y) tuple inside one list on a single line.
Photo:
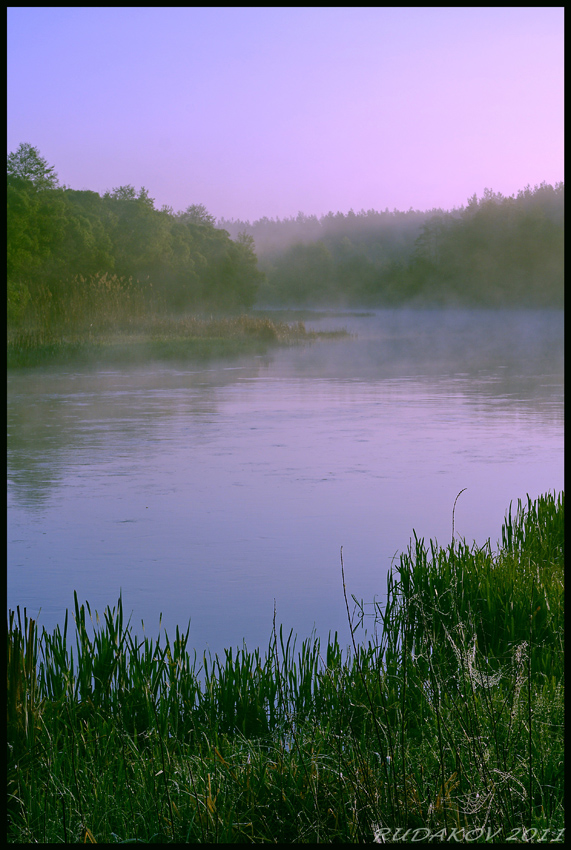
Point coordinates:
[(186, 338), (199, 339)]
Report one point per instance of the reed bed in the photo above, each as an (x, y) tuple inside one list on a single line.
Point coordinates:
[(105, 318), (448, 719)]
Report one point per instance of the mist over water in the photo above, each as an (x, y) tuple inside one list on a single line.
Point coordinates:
[(206, 492)]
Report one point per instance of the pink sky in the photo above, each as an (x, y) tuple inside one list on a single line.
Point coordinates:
[(268, 111)]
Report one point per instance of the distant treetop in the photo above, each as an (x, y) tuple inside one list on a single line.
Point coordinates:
[(27, 164), (197, 214)]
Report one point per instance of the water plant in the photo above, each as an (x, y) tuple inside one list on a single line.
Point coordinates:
[(449, 718), (106, 318)]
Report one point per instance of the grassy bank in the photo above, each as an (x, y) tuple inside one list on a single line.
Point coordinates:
[(451, 718)]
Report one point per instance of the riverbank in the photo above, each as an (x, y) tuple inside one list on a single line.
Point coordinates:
[(452, 719)]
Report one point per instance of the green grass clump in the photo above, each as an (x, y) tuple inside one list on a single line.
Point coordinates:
[(451, 718)]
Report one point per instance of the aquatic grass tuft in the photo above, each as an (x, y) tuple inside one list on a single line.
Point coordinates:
[(451, 718)]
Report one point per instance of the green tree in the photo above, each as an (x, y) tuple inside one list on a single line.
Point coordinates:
[(22, 249), (129, 193), (139, 234), (304, 273), (197, 214), (27, 164), (229, 276)]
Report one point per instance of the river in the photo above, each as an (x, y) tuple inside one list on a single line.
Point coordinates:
[(207, 492)]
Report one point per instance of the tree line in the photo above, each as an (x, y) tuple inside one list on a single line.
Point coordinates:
[(494, 251), (57, 235)]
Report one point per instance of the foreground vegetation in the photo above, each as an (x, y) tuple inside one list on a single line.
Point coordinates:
[(451, 718)]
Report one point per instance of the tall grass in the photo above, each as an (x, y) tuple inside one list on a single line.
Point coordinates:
[(105, 318), (77, 304), (450, 718)]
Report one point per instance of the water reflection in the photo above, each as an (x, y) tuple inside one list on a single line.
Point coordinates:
[(207, 493), (54, 415)]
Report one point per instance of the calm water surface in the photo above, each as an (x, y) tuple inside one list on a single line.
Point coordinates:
[(205, 493)]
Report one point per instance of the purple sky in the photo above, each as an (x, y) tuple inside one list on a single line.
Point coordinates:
[(269, 111)]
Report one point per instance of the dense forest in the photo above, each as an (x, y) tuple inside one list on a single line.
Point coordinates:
[(494, 251), (59, 239)]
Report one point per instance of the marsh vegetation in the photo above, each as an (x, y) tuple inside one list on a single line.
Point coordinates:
[(449, 716), (106, 319)]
